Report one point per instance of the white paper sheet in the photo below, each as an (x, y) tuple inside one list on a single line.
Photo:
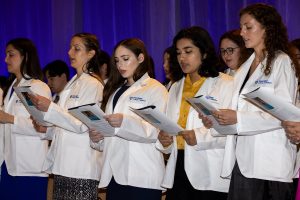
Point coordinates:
[(273, 104), (158, 119), (92, 116), (205, 105), (23, 94)]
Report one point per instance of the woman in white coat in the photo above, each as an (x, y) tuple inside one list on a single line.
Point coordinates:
[(233, 51), (22, 149), (76, 166), (132, 167), (194, 166), (265, 158)]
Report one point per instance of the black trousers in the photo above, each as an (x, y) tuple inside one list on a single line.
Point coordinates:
[(182, 188), (116, 191), (242, 188)]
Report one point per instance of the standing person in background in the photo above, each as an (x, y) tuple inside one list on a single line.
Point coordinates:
[(152, 68), (75, 165), (57, 74), (104, 61), (295, 50), (132, 167), (167, 64), (22, 149), (3, 87), (295, 54), (292, 128), (233, 51), (194, 166), (261, 161)]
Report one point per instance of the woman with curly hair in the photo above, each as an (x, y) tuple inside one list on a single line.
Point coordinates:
[(261, 159)]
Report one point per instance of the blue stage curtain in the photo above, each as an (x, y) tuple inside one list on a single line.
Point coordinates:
[(51, 23)]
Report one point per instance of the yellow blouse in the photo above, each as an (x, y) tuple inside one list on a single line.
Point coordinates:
[(189, 90)]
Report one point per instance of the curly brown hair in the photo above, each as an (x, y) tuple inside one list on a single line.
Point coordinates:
[(276, 37)]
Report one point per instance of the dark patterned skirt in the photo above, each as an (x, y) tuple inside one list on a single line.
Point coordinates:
[(66, 188)]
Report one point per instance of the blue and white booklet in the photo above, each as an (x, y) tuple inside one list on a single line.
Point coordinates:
[(206, 105), (158, 119), (23, 93), (273, 104), (93, 117)]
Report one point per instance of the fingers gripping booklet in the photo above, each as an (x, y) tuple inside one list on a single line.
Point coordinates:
[(158, 119), (92, 116), (23, 93), (205, 105), (273, 104)]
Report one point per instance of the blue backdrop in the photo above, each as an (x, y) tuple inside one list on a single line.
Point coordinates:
[(51, 23)]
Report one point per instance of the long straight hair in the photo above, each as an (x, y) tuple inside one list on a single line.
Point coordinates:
[(30, 66), (115, 80)]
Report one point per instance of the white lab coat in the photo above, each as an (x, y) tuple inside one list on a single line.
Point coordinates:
[(262, 149), (24, 151), (203, 162), (70, 154), (131, 157)]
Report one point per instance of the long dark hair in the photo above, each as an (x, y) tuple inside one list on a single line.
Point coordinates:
[(295, 44), (276, 37), (30, 66), (201, 39), (168, 51), (115, 79), (91, 42)]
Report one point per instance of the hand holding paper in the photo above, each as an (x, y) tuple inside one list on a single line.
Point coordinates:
[(25, 93), (95, 136), (206, 121), (189, 136), (40, 102), (225, 116), (165, 139), (208, 106), (39, 128), (6, 118), (115, 120), (92, 116)]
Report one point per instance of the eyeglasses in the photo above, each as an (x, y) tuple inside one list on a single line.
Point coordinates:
[(228, 51)]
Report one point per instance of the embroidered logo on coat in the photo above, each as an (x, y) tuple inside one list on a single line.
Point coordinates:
[(211, 98), (74, 96), (262, 82), (137, 99)]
